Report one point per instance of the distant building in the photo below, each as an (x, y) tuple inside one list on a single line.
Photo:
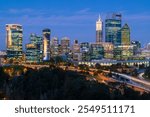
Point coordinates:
[(32, 53), (145, 53), (137, 46), (76, 47), (85, 50), (14, 38), (99, 30), (46, 44), (65, 45), (148, 46), (77, 55), (54, 47), (34, 50), (112, 26), (3, 55), (125, 35), (108, 50), (96, 51), (123, 52)]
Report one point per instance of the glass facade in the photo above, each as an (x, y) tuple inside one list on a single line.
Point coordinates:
[(14, 37), (54, 47), (65, 45), (112, 26), (123, 52), (125, 35), (34, 50), (46, 44), (32, 53), (96, 51), (85, 50)]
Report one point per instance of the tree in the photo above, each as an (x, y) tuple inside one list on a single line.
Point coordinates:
[(98, 66)]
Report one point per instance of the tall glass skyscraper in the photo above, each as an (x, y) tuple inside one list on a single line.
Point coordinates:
[(34, 50), (65, 45), (112, 26), (125, 35), (46, 44), (14, 37), (99, 30), (54, 47)]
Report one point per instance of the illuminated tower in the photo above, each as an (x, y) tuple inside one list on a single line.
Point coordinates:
[(46, 44), (34, 49), (65, 45), (14, 40), (99, 30), (112, 28), (125, 35)]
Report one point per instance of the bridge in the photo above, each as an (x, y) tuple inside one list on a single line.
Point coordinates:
[(104, 62)]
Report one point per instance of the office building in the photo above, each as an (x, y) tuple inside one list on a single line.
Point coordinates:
[(14, 38), (125, 35), (112, 26), (32, 53), (77, 55), (136, 47), (34, 50), (99, 30), (85, 50), (65, 45), (54, 47), (96, 51), (108, 50), (123, 52), (76, 47), (46, 44)]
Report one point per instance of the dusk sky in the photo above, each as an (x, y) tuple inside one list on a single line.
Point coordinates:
[(73, 18)]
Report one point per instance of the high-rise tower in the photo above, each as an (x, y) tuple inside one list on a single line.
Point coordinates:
[(125, 35), (99, 30), (46, 44), (14, 35), (112, 27)]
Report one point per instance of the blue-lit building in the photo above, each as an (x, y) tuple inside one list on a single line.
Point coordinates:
[(32, 53), (112, 27), (34, 50), (85, 50), (96, 51), (14, 38)]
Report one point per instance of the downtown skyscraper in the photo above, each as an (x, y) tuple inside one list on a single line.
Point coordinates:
[(125, 35), (112, 26), (14, 38), (46, 44), (99, 30)]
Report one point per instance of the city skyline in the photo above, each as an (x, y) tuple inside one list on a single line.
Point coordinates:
[(67, 19)]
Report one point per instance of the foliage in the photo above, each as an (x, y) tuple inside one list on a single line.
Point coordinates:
[(56, 83)]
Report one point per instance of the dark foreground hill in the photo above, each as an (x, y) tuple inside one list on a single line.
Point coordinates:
[(58, 84)]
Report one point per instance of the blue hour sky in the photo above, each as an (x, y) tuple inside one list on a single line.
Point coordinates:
[(73, 18)]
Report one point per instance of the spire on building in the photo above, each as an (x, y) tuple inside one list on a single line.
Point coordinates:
[(99, 18)]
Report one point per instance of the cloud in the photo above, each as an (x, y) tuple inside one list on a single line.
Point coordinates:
[(47, 17), (83, 11), (138, 17), (20, 11)]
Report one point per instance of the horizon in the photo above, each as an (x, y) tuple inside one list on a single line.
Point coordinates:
[(73, 18)]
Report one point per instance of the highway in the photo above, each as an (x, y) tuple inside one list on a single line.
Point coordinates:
[(136, 82)]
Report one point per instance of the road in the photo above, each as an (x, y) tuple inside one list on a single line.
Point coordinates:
[(136, 82), (139, 83)]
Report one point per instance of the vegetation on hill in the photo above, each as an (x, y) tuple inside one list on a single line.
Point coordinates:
[(58, 84)]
